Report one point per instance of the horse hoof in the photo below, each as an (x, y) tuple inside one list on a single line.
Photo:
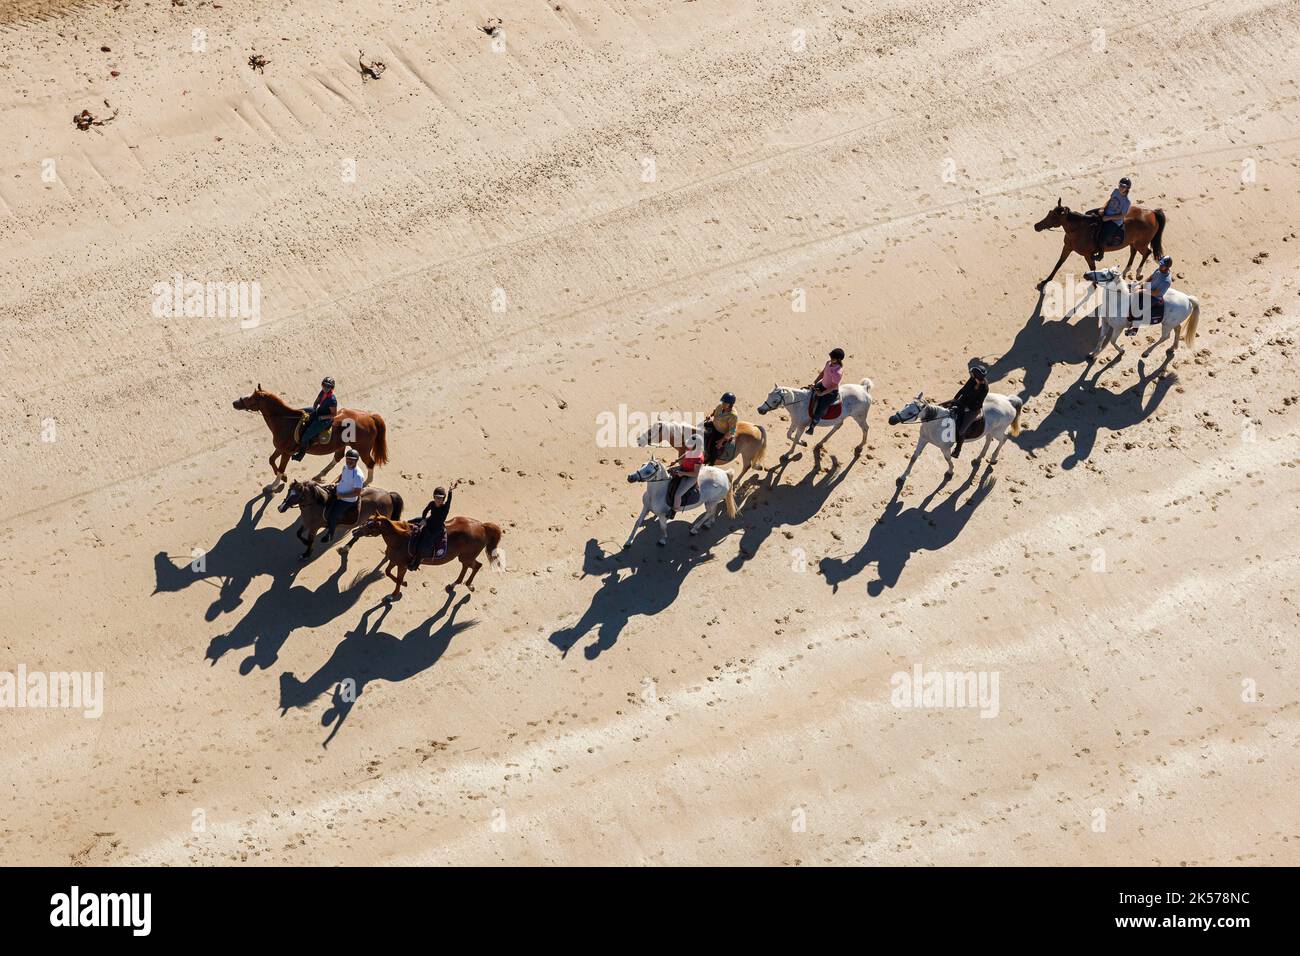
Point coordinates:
[(899, 482), (1169, 352), (469, 587), (451, 589)]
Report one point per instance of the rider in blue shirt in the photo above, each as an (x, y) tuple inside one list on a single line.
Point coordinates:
[(1155, 287)]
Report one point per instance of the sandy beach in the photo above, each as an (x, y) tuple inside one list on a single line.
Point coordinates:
[(516, 243)]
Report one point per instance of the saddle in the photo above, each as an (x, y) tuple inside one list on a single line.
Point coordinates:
[(831, 413), (322, 439), (413, 544), (975, 429), (1146, 310), (349, 515), (691, 496)]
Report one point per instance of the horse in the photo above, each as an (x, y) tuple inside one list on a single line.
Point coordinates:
[(1143, 231), (1001, 417), (855, 402), (466, 539), (312, 499), (1117, 301), (364, 431), (751, 441), (713, 485)]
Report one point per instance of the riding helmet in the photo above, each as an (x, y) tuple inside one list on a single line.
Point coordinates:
[(1126, 182), (440, 492), (728, 398), (327, 382), (837, 355), (978, 370), (1166, 260), (351, 454)]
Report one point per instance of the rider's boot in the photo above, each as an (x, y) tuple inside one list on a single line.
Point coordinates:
[(413, 564)]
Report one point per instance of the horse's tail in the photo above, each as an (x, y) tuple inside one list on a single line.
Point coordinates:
[(1160, 231), (493, 533), (1192, 319), (867, 384), (762, 447), (397, 506), (380, 450), (731, 501), (1018, 404)]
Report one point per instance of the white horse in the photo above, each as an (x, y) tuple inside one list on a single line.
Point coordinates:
[(1116, 302), (713, 484), (939, 426), (856, 401)]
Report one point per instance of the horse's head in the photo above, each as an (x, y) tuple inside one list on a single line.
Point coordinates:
[(909, 412), (253, 403), (294, 497), (1103, 277), (1055, 217), (775, 399), (371, 528), (651, 470)]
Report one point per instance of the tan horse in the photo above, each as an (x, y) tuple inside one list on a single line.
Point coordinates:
[(751, 442), (466, 539), (364, 431), (312, 500), (1143, 230)]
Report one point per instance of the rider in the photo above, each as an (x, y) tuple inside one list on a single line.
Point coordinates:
[(686, 466), (968, 402), (1112, 216), (720, 428), (322, 414), (827, 387), (346, 492), (1155, 287), (434, 527)]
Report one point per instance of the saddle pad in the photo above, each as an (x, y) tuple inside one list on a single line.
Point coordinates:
[(728, 452), (830, 414), (691, 496), (975, 429)]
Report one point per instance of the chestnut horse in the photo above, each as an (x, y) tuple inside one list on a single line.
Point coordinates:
[(364, 431), (466, 539), (1143, 230)]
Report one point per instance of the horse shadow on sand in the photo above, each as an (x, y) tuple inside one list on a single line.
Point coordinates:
[(1042, 344), (640, 581), (772, 505), (900, 533), (241, 554), (367, 654), (1086, 408), (284, 608)]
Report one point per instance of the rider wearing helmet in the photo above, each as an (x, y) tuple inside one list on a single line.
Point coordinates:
[(968, 402), (1155, 288), (434, 528), (720, 428), (687, 466), (826, 389), (1111, 224), (347, 490), (322, 413)]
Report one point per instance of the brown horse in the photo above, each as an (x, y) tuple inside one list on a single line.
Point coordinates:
[(751, 442), (466, 539), (1143, 230), (364, 431), (312, 500)]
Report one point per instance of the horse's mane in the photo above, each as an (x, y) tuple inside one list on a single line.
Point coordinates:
[(1076, 217), (275, 399)]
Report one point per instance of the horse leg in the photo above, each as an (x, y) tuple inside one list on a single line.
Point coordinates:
[(1132, 252), (368, 460), (464, 566), (663, 530), (702, 520), (1065, 254), (1178, 337), (1142, 265), (396, 578), (862, 423), (1164, 329), (636, 524), (826, 437), (988, 438), (794, 433), (920, 443), (946, 448), (997, 451), (278, 481)]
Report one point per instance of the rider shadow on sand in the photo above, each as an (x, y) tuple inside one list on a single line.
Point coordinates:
[(241, 554), (645, 587), (774, 505), (1042, 344), (366, 654), (899, 534), (1084, 409), (284, 608)]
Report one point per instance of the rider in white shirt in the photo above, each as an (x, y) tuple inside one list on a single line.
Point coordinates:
[(346, 492)]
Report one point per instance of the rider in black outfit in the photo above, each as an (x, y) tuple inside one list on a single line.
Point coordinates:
[(435, 523), (968, 402), (322, 413)]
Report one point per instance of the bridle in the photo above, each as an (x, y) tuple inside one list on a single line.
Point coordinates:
[(783, 392)]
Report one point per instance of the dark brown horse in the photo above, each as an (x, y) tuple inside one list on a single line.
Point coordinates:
[(364, 431), (466, 539), (1143, 229), (312, 500)]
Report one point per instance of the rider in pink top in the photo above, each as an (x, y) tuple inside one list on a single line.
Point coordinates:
[(826, 390)]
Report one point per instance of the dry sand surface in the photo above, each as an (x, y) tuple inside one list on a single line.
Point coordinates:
[(499, 272)]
